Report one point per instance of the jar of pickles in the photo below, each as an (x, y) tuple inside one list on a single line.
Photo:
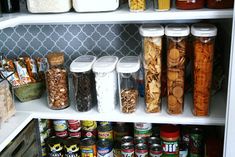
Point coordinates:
[(57, 81), (204, 38), (128, 68), (152, 54), (106, 83), (176, 51), (189, 4), (83, 82), (137, 5)]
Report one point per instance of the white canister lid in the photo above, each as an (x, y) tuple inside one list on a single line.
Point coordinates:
[(151, 30), (177, 30), (105, 64), (82, 63), (128, 64), (203, 30)]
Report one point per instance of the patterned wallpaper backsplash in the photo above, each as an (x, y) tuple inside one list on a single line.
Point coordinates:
[(73, 40)]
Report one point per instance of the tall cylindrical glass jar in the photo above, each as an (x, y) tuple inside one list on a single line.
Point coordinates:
[(84, 82), (57, 81), (128, 70), (176, 51), (204, 41), (106, 83), (152, 54)]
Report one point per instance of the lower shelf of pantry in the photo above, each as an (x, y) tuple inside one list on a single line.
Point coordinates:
[(10, 129), (39, 109)]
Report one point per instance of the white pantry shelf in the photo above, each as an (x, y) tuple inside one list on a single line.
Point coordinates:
[(10, 129), (39, 109), (122, 15)]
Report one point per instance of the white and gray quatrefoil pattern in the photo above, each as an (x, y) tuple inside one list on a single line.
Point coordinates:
[(73, 40)]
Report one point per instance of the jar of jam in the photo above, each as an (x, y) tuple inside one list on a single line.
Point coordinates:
[(220, 4), (189, 4), (170, 135)]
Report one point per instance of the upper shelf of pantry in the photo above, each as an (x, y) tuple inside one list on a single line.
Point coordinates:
[(122, 15)]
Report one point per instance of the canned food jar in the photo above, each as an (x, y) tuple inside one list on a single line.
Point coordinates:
[(57, 82), (127, 139), (104, 148), (128, 70), (71, 147), (55, 147), (162, 5), (120, 130), (106, 83), (189, 4), (137, 5), (204, 42), (127, 149), (143, 130), (220, 4), (60, 125), (155, 150), (152, 54), (83, 82), (141, 150), (105, 132), (196, 143), (170, 135), (88, 147), (176, 55)]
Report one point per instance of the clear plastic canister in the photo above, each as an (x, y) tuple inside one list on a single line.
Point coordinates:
[(204, 38), (128, 70), (83, 82), (57, 81), (137, 5), (176, 50), (152, 54), (106, 83)]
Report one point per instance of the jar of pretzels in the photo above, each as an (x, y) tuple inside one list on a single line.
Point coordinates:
[(152, 54), (204, 39), (57, 81), (128, 69), (176, 50)]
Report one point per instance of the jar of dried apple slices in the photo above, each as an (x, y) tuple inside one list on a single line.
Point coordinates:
[(204, 38), (176, 50), (152, 54)]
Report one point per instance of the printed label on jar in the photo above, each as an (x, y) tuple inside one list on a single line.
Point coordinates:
[(89, 133), (62, 133), (72, 151), (144, 133), (155, 154), (60, 125), (75, 134), (105, 152), (141, 153), (127, 152), (117, 152), (89, 125), (143, 126), (87, 152), (170, 148), (105, 135)]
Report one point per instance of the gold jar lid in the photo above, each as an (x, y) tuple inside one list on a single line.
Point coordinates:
[(55, 58)]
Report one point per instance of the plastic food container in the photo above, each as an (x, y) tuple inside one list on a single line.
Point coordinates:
[(137, 5), (128, 70), (204, 39), (162, 5), (57, 82), (95, 6), (176, 51), (220, 4), (189, 4), (49, 6), (106, 82), (152, 54), (83, 82)]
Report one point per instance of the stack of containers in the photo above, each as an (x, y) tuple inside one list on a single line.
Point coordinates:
[(106, 83), (176, 51), (84, 83), (152, 54), (128, 70)]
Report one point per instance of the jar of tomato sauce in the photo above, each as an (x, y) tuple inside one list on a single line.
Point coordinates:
[(189, 4)]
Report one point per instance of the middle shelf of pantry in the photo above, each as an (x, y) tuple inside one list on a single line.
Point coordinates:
[(39, 109)]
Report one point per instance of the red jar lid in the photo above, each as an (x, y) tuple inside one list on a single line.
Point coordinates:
[(169, 131)]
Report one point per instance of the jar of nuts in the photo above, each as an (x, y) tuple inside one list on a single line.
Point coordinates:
[(203, 44), (176, 52), (83, 82), (106, 83), (128, 69), (57, 81), (152, 54)]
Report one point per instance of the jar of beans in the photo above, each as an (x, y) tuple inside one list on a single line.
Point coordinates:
[(83, 82), (128, 68), (57, 81)]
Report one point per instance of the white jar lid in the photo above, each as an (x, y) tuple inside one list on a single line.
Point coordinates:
[(128, 64), (105, 64), (151, 30), (82, 64), (203, 30), (177, 30)]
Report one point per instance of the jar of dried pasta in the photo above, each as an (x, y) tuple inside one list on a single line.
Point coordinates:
[(176, 51), (152, 54), (204, 38), (128, 70), (137, 5), (57, 81)]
